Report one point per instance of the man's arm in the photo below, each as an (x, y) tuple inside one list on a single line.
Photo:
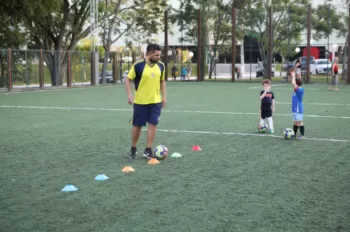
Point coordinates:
[(129, 91), (131, 76), (163, 91)]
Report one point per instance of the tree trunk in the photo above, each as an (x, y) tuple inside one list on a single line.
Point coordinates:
[(264, 60), (104, 66), (211, 65), (2, 72), (204, 38), (344, 57), (57, 64), (283, 60)]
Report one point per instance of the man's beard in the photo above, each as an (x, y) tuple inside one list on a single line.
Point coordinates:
[(153, 61)]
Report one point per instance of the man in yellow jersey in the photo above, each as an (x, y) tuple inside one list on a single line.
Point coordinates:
[(150, 96)]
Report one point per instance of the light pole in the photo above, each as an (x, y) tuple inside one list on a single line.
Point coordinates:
[(289, 31), (329, 16), (334, 47), (213, 60), (242, 52), (182, 37), (251, 48), (93, 21)]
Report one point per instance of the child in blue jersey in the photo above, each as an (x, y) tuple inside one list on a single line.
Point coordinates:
[(183, 73), (298, 106)]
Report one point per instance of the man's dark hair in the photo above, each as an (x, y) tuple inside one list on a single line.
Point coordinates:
[(152, 48), (299, 81)]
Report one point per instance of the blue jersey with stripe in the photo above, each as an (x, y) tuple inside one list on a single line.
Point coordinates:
[(297, 100)]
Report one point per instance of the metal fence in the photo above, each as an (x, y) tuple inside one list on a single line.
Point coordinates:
[(23, 69), (265, 47)]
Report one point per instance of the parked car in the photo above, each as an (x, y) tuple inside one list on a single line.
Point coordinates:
[(260, 70), (312, 64), (323, 66), (289, 65), (109, 77)]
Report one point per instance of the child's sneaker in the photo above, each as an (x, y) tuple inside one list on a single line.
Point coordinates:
[(300, 137), (271, 132)]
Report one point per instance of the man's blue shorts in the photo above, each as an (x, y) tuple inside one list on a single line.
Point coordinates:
[(146, 113)]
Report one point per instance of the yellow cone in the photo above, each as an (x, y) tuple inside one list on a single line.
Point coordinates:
[(128, 169), (153, 161)]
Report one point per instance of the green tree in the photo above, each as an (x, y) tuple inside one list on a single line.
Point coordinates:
[(289, 21), (120, 17), (11, 36), (216, 23), (326, 20), (53, 25)]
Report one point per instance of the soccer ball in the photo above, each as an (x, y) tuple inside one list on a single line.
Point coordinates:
[(161, 152), (262, 128), (288, 133)]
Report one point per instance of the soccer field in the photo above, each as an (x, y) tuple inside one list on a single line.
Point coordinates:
[(240, 181)]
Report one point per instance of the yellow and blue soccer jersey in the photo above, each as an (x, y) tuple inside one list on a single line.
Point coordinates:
[(147, 81)]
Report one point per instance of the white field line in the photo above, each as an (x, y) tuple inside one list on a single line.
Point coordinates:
[(164, 111), (65, 108), (260, 86), (53, 89), (316, 103), (308, 89), (245, 134), (291, 89)]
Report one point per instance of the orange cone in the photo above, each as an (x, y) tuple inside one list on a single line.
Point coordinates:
[(128, 169), (153, 161), (196, 148)]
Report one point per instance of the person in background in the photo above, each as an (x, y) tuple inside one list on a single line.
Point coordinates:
[(334, 75)]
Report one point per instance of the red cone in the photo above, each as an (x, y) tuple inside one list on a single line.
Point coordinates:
[(196, 148)]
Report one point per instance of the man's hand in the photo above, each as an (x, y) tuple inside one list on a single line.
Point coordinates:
[(163, 91), (128, 90), (163, 102), (130, 99)]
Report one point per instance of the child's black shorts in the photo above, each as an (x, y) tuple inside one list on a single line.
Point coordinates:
[(266, 113)]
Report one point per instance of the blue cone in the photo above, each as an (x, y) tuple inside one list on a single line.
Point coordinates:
[(176, 155), (69, 188), (101, 177)]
